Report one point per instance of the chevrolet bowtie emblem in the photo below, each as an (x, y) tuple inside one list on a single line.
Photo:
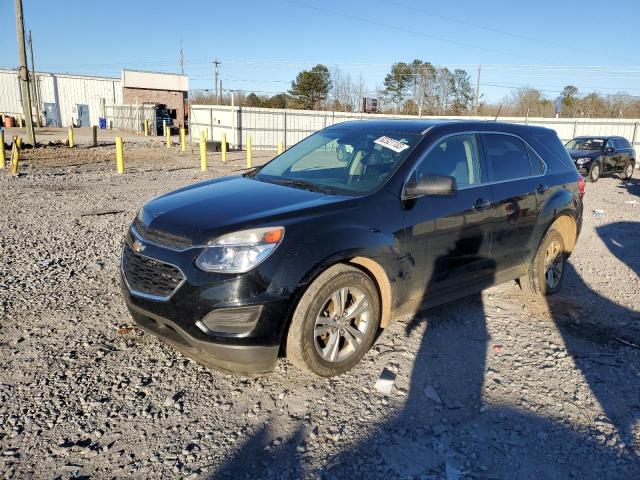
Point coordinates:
[(138, 246)]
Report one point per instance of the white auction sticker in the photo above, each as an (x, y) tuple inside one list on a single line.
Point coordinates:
[(391, 144)]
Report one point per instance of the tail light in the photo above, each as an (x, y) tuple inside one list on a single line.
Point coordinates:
[(581, 185)]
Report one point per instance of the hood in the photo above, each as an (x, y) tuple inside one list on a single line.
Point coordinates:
[(575, 154), (202, 211)]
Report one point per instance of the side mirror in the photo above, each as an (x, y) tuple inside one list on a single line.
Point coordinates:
[(609, 150), (435, 185)]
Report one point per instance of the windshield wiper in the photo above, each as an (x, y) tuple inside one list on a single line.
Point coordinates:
[(298, 182)]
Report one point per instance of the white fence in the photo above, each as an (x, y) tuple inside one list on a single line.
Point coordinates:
[(131, 117), (268, 126)]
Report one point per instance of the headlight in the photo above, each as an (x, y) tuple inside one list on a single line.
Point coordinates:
[(239, 252), (582, 161)]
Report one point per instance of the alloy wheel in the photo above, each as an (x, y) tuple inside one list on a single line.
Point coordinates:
[(628, 171), (595, 173), (341, 325), (553, 264)]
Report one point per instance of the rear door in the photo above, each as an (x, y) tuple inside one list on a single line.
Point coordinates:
[(517, 184), (448, 238)]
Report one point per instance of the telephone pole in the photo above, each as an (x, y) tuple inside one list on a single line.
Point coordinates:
[(181, 59), (217, 62), (36, 87), (477, 91), (23, 73)]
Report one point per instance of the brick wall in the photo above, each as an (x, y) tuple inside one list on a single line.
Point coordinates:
[(172, 99)]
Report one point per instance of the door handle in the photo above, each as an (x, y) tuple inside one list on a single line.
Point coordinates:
[(541, 189), (480, 205)]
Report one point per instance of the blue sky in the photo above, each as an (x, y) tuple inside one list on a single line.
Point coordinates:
[(263, 44)]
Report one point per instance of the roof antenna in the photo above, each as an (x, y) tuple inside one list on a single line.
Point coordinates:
[(499, 109)]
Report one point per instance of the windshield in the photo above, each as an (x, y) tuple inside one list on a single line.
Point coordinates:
[(586, 144), (350, 161)]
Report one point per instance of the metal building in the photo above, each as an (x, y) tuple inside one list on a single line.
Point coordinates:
[(64, 99)]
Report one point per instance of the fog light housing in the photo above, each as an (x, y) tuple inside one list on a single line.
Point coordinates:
[(237, 320)]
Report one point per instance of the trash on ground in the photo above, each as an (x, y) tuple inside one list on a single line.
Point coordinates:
[(598, 213), (385, 381), (632, 202), (498, 348), (101, 211)]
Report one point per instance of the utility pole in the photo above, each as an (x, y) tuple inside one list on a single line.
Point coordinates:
[(181, 60), (217, 62), (477, 91), (36, 87), (23, 73)]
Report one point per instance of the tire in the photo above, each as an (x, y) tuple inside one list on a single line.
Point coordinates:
[(337, 350), (546, 271), (341, 153), (627, 173), (594, 172)]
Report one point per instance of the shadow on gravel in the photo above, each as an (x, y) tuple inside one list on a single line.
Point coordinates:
[(446, 429), (632, 185), (623, 240)]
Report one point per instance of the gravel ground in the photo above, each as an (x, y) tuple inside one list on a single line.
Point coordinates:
[(496, 386)]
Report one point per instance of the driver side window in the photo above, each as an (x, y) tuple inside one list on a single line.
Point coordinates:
[(456, 157)]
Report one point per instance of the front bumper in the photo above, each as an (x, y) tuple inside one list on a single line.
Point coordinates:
[(244, 359), (178, 318)]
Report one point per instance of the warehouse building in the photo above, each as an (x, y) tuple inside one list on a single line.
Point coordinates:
[(63, 100)]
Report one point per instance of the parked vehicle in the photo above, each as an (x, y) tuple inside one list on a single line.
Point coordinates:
[(311, 255), (595, 156), (162, 115)]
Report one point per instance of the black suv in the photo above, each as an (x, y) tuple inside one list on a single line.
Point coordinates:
[(312, 254), (594, 156)]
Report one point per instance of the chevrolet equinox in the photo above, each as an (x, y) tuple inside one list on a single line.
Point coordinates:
[(314, 252)]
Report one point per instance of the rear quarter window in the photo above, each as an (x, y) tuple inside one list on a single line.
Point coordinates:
[(549, 146)]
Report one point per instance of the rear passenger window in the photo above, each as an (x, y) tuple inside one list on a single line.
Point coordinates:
[(508, 157), (536, 163), (456, 157)]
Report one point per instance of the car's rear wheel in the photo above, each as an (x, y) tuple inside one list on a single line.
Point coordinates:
[(546, 271), (628, 171), (594, 172), (335, 322)]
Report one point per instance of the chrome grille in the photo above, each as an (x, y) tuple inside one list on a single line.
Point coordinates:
[(149, 277)]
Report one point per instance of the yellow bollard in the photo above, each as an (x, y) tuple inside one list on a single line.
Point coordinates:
[(15, 159), (249, 152), (223, 146), (167, 132), (18, 141), (94, 133), (280, 148), (146, 128), (203, 154), (70, 137), (119, 156), (183, 140), (2, 160)]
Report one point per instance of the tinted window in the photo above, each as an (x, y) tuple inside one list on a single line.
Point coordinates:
[(537, 166), (555, 155), (622, 143), (456, 157), (611, 143), (508, 157)]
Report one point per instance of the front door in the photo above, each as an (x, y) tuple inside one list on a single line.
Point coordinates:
[(611, 156), (448, 238), (519, 190), (83, 116)]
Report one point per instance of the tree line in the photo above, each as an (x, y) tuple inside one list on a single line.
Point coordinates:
[(420, 88)]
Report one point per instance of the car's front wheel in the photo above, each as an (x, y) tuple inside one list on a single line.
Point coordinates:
[(628, 171), (335, 322), (546, 271), (594, 172)]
